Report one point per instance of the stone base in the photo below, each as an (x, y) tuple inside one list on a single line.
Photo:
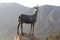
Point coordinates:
[(25, 37)]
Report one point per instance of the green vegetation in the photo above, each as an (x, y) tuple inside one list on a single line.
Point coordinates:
[(53, 37)]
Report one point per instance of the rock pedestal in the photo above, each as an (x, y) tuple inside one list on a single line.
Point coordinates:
[(25, 37)]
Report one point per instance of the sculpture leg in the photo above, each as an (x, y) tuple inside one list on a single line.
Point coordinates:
[(31, 29), (18, 28), (21, 29)]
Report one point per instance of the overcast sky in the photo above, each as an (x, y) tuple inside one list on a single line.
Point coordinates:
[(31, 3)]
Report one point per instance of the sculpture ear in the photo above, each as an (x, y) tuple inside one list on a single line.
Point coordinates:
[(34, 7)]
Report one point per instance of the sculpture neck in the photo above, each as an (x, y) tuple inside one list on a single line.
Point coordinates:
[(36, 12)]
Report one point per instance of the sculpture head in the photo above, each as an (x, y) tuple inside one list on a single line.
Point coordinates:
[(36, 8)]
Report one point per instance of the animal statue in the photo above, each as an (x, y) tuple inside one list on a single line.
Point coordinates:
[(28, 19)]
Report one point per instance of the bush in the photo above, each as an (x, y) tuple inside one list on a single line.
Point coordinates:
[(53, 37)]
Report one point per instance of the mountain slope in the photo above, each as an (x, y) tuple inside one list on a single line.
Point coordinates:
[(9, 13)]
